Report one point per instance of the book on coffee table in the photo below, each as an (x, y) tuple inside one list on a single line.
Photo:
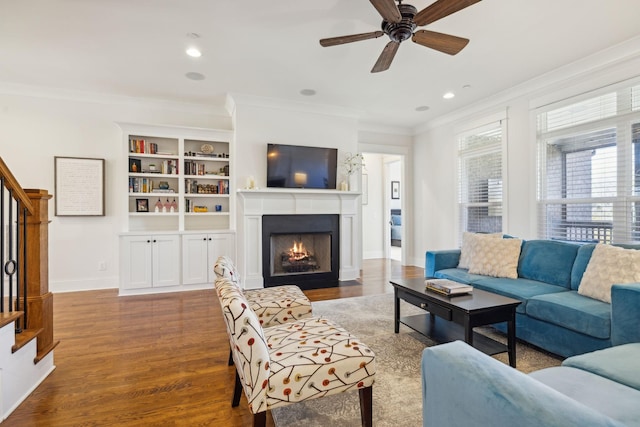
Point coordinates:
[(447, 287)]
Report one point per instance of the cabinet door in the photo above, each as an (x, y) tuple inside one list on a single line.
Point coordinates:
[(220, 244), (194, 259), (136, 267), (166, 260)]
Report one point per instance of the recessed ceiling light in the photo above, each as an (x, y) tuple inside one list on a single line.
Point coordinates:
[(307, 92), (449, 95), (195, 76), (194, 52), (422, 108)]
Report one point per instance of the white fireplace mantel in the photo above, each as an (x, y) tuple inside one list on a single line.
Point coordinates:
[(253, 204)]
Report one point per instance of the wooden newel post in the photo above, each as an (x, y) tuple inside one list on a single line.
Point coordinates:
[(39, 299)]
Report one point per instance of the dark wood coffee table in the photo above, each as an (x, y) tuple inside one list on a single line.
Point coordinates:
[(451, 318)]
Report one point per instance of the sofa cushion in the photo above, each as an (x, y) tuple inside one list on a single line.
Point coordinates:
[(547, 261), (607, 397), (458, 275), (620, 364), (520, 289), (580, 264), (496, 258), (573, 311), (469, 245), (609, 265)]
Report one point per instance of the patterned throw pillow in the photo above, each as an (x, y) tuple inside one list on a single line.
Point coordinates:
[(496, 258), (609, 265), (469, 244)]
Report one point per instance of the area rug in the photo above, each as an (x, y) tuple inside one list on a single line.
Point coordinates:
[(397, 393)]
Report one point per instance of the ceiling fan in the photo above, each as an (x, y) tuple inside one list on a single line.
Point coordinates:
[(399, 23)]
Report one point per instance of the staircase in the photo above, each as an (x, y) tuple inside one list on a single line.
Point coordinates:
[(26, 305)]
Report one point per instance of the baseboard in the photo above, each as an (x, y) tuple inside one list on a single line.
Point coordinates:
[(92, 284)]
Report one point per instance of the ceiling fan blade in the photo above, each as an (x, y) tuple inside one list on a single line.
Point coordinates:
[(385, 58), (440, 9), (333, 41), (388, 10), (438, 41)]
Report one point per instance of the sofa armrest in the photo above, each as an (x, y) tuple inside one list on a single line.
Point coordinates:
[(625, 313), (438, 260), (462, 386)]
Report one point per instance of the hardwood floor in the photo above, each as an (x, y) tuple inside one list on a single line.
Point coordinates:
[(153, 360)]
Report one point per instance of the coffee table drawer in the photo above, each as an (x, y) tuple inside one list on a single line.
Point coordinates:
[(431, 307)]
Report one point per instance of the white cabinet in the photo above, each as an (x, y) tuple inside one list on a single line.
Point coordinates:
[(149, 261), (177, 186), (200, 252)]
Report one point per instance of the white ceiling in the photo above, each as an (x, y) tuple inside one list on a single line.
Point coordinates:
[(270, 49)]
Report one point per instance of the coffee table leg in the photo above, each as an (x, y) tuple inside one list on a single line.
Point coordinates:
[(396, 311), (511, 339), (468, 331)]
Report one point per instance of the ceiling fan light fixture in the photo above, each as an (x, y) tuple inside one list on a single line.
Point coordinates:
[(449, 95)]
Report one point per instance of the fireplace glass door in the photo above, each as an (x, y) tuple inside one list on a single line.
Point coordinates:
[(307, 253)]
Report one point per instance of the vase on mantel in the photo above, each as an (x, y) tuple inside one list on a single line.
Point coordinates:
[(344, 186)]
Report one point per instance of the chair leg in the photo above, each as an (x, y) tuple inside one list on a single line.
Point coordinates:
[(260, 419), (230, 358), (366, 406), (237, 391)]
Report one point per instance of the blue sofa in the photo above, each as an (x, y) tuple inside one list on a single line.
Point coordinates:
[(463, 387), (553, 315)]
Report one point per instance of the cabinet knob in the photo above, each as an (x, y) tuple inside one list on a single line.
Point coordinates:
[(154, 240), (148, 241), (209, 238), (204, 238)]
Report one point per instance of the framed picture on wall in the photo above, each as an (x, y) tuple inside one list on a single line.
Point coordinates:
[(79, 186), (395, 189)]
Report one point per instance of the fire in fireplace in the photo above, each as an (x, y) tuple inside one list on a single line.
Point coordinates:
[(300, 249), (298, 259)]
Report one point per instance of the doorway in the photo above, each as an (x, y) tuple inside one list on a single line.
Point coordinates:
[(382, 229)]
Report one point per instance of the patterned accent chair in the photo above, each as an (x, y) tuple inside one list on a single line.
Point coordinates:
[(273, 306), (294, 362)]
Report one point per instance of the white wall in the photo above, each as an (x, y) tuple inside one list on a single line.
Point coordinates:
[(36, 125), (435, 161)]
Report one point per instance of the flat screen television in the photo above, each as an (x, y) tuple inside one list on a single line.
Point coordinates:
[(293, 166)]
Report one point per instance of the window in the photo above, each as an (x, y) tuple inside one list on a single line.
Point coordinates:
[(480, 186), (589, 168)]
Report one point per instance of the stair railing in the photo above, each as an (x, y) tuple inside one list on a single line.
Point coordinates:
[(15, 206)]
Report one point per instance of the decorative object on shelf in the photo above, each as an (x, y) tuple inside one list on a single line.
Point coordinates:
[(163, 185), (251, 183), (218, 208), (166, 207), (395, 189), (351, 164), (142, 205), (200, 209), (152, 167), (174, 205), (206, 148), (135, 165), (158, 207)]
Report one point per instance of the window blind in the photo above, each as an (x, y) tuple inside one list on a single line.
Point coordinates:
[(480, 189), (589, 167)]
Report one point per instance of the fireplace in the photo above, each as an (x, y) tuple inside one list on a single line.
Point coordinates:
[(301, 249)]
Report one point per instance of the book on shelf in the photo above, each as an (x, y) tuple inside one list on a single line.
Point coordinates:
[(447, 287)]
